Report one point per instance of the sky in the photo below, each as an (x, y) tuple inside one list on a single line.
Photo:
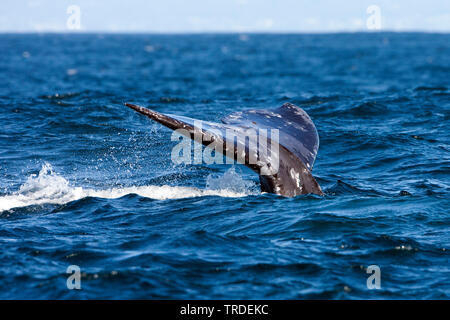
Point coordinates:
[(191, 16)]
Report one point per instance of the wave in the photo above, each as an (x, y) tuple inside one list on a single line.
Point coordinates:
[(48, 187)]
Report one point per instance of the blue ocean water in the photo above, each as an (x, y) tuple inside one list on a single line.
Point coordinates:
[(85, 181)]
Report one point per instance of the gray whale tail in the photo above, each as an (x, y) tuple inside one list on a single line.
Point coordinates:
[(285, 171)]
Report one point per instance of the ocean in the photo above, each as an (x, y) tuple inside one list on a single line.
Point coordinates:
[(87, 183)]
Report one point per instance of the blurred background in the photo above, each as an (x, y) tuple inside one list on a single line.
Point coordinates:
[(224, 15)]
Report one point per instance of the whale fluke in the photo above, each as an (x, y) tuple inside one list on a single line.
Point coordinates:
[(283, 153)]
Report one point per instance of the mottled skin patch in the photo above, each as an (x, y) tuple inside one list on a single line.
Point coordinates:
[(297, 148)]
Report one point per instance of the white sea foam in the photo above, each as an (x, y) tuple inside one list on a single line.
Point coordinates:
[(50, 188)]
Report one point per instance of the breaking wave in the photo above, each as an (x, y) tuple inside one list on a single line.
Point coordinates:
[(48, 187)]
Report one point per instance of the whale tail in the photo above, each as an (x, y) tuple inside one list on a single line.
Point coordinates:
[(280, 144)]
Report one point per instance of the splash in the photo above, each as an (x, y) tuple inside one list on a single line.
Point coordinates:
[(48, 187), (230, 181)]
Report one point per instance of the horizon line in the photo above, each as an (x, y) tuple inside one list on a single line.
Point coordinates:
[(217, 32)]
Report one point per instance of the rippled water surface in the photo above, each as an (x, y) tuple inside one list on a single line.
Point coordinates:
[(85, 181)]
